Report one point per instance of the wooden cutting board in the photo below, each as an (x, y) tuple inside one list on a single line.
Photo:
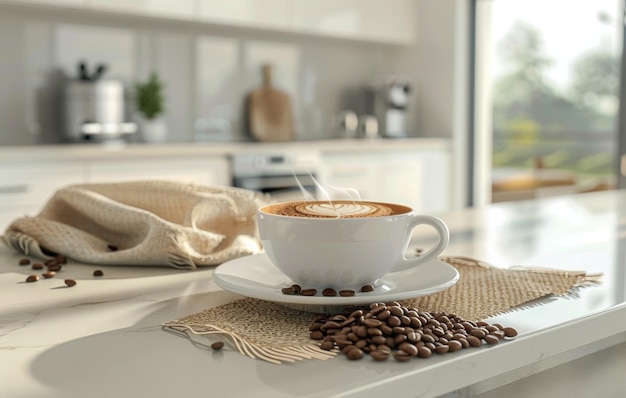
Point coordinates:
[(270, 115)]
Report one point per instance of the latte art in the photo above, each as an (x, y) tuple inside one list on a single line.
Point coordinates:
[(339, 209), (335, 209)]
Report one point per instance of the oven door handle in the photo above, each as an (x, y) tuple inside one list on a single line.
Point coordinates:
[(262, 183)]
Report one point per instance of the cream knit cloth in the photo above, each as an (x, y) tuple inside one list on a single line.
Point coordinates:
[(142, 223)]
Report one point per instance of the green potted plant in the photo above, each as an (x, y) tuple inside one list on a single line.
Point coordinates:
[(150, 105)]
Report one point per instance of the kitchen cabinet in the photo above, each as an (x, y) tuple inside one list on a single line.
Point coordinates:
[(385, 21), (389, 21), (274, 14), (165, 8), (415, 178), (26, 186), (205, 170)]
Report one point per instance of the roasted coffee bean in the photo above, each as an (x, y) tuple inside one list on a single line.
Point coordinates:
[(427, 338), (70, 282), (330, 325), (61, 259), (32, 278), (218, 345), (37, 266), (423, 334), (491, 339), (474, 341), (287, 290), (379, 355), (308, 292), (54, 267), (408, 348), (346, 292), (395, 310), (329, 292), (424, 352), (372, 323), (402, 356), (354, 354), (51, 261), (379, 340), (367, 288), (454, 345), (509, 332), (48, 274), (384, 315), (327, 345), (24, 261), (98, 272), (296, 288), (478, 333)]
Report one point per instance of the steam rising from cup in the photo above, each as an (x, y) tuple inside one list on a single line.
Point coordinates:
[(324, 192)]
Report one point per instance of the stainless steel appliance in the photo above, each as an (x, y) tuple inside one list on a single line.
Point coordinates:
[(96, 110), (388, 101), (279, 173)]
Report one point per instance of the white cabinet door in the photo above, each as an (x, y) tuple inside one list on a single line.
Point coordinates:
[(161, 8), (206, 171), (331, 17), (26, 187), (389, 20), (273, 14), (418, 179)]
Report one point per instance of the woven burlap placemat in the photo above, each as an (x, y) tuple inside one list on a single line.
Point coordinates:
[(275, 333)]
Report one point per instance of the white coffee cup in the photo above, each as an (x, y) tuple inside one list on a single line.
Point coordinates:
[(345, 253)]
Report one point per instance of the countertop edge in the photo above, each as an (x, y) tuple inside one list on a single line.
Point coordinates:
[(79, 152)]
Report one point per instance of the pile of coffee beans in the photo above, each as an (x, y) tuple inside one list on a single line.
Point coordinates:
[(296, 289), (385, 330), (53, 266)]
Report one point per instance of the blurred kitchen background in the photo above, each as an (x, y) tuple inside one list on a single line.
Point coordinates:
[(523, 93)]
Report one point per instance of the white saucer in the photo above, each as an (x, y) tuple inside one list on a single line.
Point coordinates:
[(255, 276)]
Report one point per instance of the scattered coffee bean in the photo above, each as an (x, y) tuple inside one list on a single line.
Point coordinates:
[(296, 288), (393, 330), (329, 292), (54, 267), (48, 274), (70, 282), (24, 261), (32, 278), (509, 332), (218, 345), (50, 262), (367, 288), (288, 290), (37, 266), (308, 292), (346, 292), (98, 272)]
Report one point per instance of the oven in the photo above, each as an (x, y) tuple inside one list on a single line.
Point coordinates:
[(278, 173)]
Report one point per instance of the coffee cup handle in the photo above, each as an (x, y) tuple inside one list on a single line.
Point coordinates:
[(433, 252)]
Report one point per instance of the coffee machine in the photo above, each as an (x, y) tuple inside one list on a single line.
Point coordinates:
[(388, 101), (95, 108)]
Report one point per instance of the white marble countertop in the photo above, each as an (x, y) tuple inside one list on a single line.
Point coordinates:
[(103, 338), (96, 151)]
